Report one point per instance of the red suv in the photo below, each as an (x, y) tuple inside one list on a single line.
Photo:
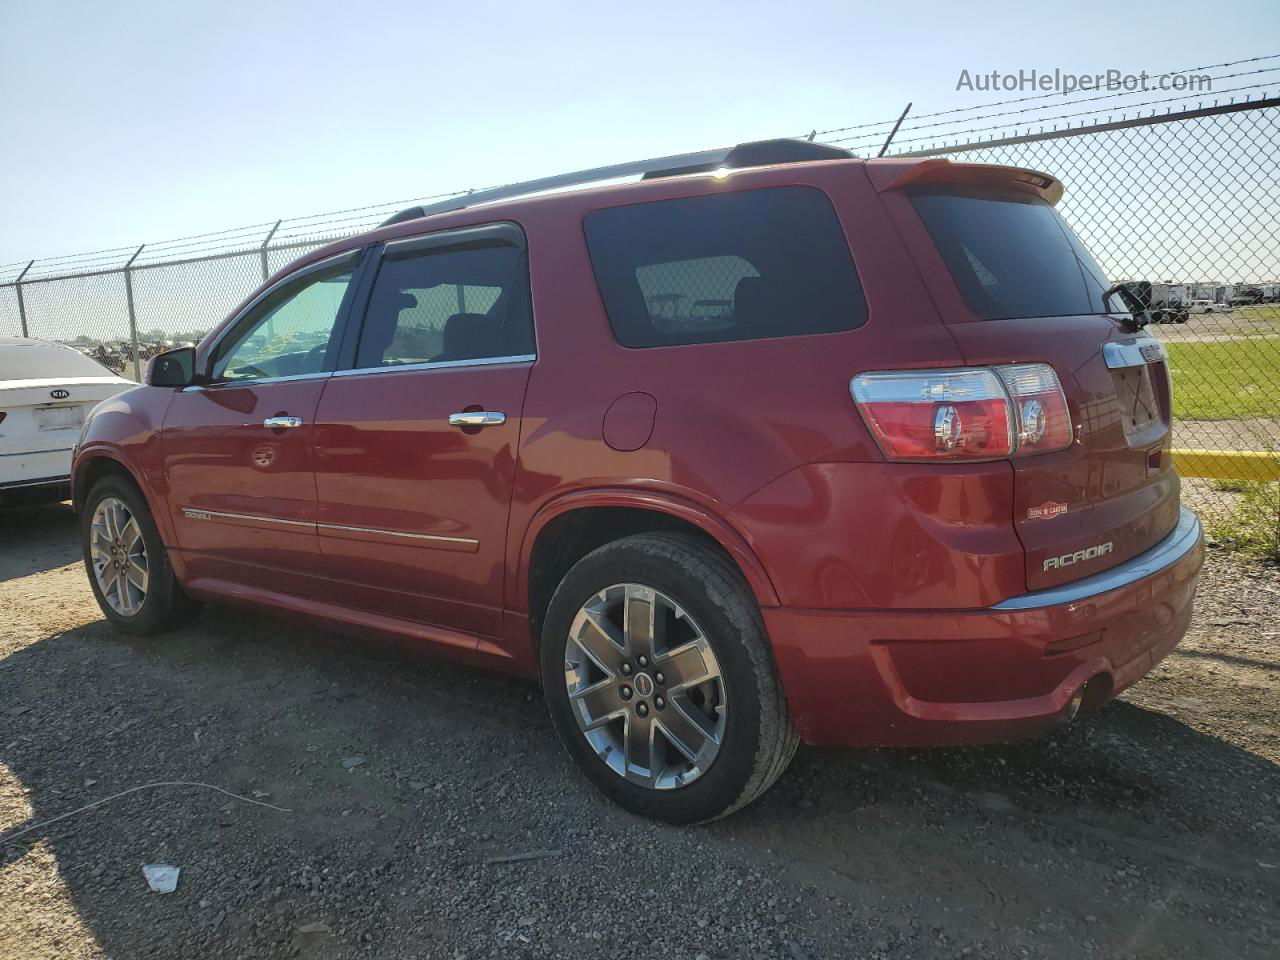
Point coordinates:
[(907, 481)]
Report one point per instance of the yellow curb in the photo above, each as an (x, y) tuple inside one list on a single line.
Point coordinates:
[(1227, 464)]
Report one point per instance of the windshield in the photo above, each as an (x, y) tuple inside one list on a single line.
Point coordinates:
[(27, 360), (1011, 255)]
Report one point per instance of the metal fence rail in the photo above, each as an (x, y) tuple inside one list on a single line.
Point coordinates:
[(1184, 198)]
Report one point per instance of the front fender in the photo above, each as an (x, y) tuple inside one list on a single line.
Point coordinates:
[(126, 429)]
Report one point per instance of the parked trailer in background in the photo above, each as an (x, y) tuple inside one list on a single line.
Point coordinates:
[(1165, 300)]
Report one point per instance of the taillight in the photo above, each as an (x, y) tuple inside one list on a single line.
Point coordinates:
[(1044, 422), (973, 413)]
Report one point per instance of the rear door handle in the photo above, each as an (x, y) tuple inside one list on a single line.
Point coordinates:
[(282, 423), (477, 418)]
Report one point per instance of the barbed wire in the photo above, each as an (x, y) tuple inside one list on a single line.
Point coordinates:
[(322, 227), (968, 131), (879, 135), (1042, 96)]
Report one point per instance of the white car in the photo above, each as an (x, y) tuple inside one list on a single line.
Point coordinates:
[(46, 390), (1208, 306)]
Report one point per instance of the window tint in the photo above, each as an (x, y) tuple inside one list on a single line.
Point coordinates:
[(731, 266), (436, 306), (288, 333), (1012, 256)]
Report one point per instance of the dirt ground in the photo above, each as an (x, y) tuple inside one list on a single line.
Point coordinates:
[(1150, 830)]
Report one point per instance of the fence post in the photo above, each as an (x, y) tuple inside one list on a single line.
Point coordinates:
[(22, 307), (133, 320), (266, 271)]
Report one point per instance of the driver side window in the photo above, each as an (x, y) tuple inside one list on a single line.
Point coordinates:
[(289, 332)]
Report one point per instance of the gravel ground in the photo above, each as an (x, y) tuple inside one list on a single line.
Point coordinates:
[(1150, 830)]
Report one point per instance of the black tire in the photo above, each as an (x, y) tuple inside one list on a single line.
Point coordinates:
[(759, 738), (165, 605)]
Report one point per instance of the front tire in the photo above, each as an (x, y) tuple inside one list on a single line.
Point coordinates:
[(127, 563), (660, 682)]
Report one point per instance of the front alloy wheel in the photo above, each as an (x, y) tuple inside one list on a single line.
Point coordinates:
[(126, 560), (119, 555), (645, 686)]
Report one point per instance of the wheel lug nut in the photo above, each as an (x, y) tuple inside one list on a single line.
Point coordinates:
[(625, 692), (642, 708), (626, 668), (643, 661), (659, 703), (659, 678)]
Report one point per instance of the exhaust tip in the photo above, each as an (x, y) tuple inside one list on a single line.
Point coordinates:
[(1088, 698), (1072, 709)]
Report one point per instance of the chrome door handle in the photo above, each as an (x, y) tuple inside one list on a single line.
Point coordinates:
[(477, 418), (281, 423)]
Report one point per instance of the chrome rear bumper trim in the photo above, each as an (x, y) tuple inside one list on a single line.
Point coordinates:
[(1164, 554)]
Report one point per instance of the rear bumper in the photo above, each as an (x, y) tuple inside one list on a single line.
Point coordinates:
[(921, 678), (30, 468)]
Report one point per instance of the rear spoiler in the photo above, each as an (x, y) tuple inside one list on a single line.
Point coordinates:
[(897, 173)]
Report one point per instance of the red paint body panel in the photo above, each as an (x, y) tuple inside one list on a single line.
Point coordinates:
[(885, 535), (875, 579), (255, 486), (919, 678), (387, 460)]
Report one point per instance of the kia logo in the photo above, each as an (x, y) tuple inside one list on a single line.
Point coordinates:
[(59, 394)]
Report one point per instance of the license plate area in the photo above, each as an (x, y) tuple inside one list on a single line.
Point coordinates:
[(1136, 396), (69, 417), (1138, 371)]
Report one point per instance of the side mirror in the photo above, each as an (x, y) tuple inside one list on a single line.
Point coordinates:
[(173, 368)]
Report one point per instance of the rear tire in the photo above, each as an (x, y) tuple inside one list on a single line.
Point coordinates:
[(717, 743), (127, 563)]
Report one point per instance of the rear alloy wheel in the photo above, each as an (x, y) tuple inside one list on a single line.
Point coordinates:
[(660, 681), (645, 687), (127, 563)]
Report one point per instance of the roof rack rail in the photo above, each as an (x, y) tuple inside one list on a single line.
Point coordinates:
[(754, 154)]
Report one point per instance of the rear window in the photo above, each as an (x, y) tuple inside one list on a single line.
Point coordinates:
[(733, 266), (42, 361), (1012, 256)]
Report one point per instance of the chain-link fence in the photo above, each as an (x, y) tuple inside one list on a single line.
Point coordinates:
[(1182, 204), (1186, 206)]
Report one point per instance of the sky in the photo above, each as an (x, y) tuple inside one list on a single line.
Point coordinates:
[(142, 121)]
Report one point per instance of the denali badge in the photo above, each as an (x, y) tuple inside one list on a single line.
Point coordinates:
[(59, 394), (1046, 511), (1089, 553)]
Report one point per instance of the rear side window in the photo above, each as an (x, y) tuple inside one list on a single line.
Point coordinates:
[(732, 266), (1012, 255)]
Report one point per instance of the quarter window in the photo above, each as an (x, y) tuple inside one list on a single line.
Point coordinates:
[(735, 266), (446, 305)]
